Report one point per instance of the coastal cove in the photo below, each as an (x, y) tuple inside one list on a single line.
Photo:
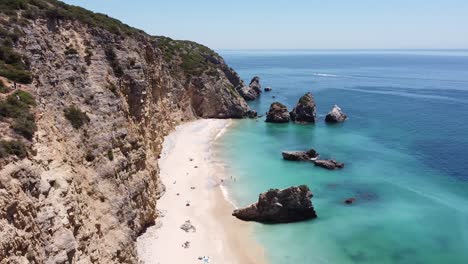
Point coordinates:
[(193, 180), (233, 132), (404, 147)]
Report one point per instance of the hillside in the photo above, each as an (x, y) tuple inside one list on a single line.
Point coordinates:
[(85, 102)]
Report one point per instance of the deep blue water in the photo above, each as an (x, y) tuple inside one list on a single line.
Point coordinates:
[(405, 146)]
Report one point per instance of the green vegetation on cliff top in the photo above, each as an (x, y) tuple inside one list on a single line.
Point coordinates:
[(192, 58), (53, 9)]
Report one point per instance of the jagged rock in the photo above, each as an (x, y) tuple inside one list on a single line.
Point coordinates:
[(278, 113), (247, 93), (255, 85), (305, 110), (329, 164), (280, 206), (252, 114), (252, 91), (300, 155), (267, 89), (335, 115)]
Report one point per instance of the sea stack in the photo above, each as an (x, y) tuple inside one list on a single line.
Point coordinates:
[(255, 85), (252, 91), (335, 115), (280, 206), (305, 111), (278, 113)]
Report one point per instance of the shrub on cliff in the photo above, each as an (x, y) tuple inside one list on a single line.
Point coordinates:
[(3, 88), (114, 63), (12, 65), (13, 147), (17, 105), (89, 157), (25, 126), (70, 51), (76, 117), (15, 74)]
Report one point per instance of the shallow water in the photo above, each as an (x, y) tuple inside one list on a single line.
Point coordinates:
[(405, 147)]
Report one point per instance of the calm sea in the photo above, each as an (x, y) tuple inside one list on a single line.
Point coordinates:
[(405, 146)]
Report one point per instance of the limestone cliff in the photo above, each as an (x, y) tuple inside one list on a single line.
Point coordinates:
[(82, 190)]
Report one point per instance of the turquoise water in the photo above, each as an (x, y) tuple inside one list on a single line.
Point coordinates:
[(405, 147)]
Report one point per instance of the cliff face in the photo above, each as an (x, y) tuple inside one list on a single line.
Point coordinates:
[(83, 194)]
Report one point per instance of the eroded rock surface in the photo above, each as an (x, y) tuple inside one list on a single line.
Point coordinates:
[(329, 164), (280, 206), (252, 91), (300, 155), (305, 110), (278, 113), (335, 115)]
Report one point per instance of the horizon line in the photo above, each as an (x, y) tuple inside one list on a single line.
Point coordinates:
[(345, 49)]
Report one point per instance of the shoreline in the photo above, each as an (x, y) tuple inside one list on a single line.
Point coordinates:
[(194, 192)]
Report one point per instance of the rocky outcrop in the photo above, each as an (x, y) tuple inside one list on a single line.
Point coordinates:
[(255, 85), (247, 93), (300, 155), (280, 206), (329, 164), (305, 110), (252, 114), (252, 91), (84, 194), (278, 113), (335, 115), (267, 89)]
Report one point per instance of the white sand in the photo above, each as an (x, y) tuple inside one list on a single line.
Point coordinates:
[(219, 236)]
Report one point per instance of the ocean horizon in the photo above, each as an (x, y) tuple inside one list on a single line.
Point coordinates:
[(404, 148)]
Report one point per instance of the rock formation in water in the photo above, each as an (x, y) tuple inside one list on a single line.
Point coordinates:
[(335, 115), (267, 89), (305, 110), (82, 131), (329, 164), (280, 206), (255, 85), (252, 91), (300, 155), (278, 113)]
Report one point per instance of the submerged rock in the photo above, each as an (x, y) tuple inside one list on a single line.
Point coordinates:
[(350, 200), (329, 164), (278, 113), (280, 206), (335, 115), (300, 155), (305, 110)]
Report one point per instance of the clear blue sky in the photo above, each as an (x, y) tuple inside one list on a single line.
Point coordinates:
[(298, 24)]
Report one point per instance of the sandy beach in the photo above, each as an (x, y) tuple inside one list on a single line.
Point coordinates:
[(193, 193)]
